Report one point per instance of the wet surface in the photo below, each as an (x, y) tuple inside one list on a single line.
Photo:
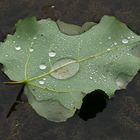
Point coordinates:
[(120, 120)]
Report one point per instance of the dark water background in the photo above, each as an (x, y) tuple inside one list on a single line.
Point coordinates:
[(120, 120)]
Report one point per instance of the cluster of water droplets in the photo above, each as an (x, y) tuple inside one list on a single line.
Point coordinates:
[(42, 81), (124, 41), (44, 67), (31, 47), (92, 72)]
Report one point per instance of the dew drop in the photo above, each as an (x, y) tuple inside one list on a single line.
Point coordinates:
[(32, 43), (35, 38), (44, 79), (115, 43), (133, 37), (128, 37), (42, 67), (31, 49), (124, 41), (108, 49), (91, 78), (6, 55), (41, 82), (52, 54), (65, 68), (109, 37), (18, 48)]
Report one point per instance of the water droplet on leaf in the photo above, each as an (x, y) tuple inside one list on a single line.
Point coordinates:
[(41, 82), (35, 38), (65, 68), (115, 43), (133, 37), (108, 49), (32, 43), (18, 48), (91, 77), (6, 55), (52, 54), (42, 67), (124, 41), (44, 79), (109, 37), (31, 49)]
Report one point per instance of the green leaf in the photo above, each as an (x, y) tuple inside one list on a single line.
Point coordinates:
[(60, 67), (71, 29)]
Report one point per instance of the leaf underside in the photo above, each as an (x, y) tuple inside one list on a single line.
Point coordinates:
[(61, 63)]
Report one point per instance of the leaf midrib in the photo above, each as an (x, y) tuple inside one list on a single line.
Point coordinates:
[(94, 57)]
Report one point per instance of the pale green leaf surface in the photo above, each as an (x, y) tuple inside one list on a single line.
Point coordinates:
[(104, 57), (71, 29)]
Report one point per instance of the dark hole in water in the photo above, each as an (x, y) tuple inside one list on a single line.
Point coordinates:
[(93, 103)]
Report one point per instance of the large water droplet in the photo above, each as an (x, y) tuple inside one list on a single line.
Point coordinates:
[(52, 54), (18, 48), (65, 68), (124, 41), (42, 67)]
